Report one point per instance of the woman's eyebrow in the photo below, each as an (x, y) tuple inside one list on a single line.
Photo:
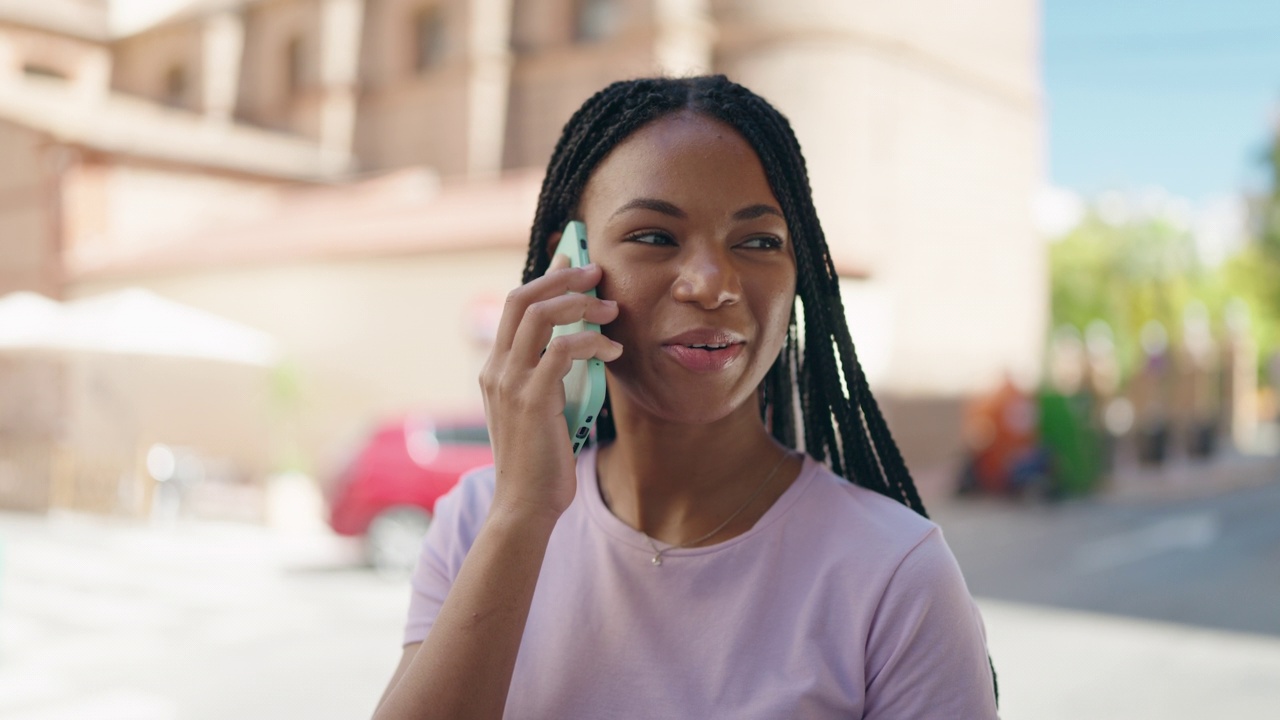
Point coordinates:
[(754, 211), (661, 206), (750, 212)]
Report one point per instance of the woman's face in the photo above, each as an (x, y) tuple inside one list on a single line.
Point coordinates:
[(695, 251)]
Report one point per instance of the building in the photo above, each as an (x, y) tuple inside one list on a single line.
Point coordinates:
[(357, 177)]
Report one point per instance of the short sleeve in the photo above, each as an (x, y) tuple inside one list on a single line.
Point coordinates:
[(926, 652), (458, 517)]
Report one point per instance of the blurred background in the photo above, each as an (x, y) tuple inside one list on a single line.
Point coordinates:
[(253, 252)]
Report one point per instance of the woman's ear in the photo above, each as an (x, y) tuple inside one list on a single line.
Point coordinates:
[(552, 242)]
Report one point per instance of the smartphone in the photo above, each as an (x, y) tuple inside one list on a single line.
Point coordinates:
[(584, 385)]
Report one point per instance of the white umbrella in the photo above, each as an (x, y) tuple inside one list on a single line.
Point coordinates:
[(29, 320), (132, 322), (138, 322)]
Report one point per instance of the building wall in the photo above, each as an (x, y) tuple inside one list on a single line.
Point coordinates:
[(265, 95), (363, 339), (28, 53), (923, 167), (144, 64), (406, 115), (28, 244), (993, 41), (412, 113), (554, 69), (547, 86), (115, 207)]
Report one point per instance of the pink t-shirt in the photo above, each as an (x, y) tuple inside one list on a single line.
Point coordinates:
[(838, 603)]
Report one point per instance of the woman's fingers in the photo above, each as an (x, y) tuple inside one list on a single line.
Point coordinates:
[(559, 280), (541, 317), (563, 350)]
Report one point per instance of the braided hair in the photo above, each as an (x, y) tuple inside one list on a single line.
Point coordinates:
[(840, 419), (844, 429)]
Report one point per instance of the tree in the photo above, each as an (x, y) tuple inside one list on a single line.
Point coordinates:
[(1146, 268), (1127, 274), (1254, 273)]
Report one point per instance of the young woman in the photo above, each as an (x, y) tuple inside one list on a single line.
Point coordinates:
[(692, 563)]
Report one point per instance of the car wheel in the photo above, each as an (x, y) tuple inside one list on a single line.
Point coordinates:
[(394, 539)]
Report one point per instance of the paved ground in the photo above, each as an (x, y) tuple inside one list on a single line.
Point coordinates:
[(101, 620), (1068, 665), (1210, 560), (203, 621), (1159, 599)]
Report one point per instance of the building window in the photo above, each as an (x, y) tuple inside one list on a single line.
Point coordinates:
[(428, 39), (44, 72), (175, 86), (597, 20), (295, 66)]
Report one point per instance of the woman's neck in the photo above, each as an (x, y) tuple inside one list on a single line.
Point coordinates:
[(677, 482)]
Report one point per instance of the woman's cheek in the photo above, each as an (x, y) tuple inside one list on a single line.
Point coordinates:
[(622, 293)]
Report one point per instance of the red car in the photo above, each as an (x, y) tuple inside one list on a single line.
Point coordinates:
[(388, 492)]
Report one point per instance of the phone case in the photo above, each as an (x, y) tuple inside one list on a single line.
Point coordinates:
[(584, 386)]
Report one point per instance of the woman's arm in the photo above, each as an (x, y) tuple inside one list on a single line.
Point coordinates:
[(406, 657), (463, 668)]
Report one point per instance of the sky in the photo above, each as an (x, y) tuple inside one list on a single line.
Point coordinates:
[(1178, 94)]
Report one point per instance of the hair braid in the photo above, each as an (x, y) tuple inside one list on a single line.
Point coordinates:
[(850, 439)]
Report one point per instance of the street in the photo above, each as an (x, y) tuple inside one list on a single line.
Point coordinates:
[(1113, 608), (1210, 561), (1154, 605)]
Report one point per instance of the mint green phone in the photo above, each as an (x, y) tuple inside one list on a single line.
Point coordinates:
[(584, 385)]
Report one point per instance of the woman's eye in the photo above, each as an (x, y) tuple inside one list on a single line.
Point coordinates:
[(764, 242), (651, 238)]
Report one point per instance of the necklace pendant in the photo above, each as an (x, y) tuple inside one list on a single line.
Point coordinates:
[(657, 560)]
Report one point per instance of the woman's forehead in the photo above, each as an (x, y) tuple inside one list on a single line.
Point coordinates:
[(681, 158)]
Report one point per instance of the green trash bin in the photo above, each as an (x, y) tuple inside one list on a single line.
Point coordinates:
[(1073, 444)]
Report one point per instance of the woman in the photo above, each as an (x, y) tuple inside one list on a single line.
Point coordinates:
[(692, 563)]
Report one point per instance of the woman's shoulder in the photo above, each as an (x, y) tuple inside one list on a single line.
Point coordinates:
[(833, 504)]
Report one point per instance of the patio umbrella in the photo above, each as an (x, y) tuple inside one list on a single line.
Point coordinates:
[(130, 322), (29, 321)]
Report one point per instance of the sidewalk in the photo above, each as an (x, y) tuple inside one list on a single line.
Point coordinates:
[(1182, 478), (1066, 665)]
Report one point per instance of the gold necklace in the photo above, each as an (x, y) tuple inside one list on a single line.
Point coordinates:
[(657, 554)]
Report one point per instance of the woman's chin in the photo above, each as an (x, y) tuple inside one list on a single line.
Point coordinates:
[(688, 408)]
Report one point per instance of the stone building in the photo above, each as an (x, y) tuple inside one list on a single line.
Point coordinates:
[(357, 177)]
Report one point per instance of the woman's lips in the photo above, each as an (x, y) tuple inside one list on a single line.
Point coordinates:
[(700, 359)]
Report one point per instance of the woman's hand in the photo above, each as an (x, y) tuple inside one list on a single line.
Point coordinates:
[(463, 669), (523, 386)]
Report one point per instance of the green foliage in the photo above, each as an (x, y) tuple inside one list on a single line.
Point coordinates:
[(1269, 216), (1130, 273), (1255, 272), (1254, 276), (1126, 275)]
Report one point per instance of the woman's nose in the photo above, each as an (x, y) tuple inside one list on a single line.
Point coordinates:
[(707, 278)]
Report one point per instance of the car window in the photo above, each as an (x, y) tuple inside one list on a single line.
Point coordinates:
[(467, 435)]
